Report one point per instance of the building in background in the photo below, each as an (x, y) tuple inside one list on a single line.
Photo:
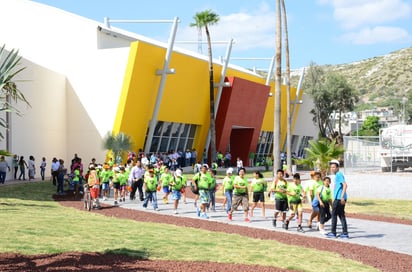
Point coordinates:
[(84, 79)]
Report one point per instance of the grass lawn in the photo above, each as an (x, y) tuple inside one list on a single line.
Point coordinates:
[(34, 224)]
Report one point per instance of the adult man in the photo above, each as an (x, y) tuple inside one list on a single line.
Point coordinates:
[(340, 198), (136, 178), (55, 170), (3, 169)]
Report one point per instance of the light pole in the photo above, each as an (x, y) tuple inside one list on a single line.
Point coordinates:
[(404, 100)]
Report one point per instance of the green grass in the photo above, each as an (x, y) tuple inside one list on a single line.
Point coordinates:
[(400, 209), (34, 224)]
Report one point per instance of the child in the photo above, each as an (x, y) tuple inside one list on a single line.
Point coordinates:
[(241, 195), (212, 190), (316, 183), (324, 195), (228, 188), (94, 182), (281, 200), (258, 188), (176, 184), (165, 179), (295, 194), (150, 184), (43, 167), (105, 176), (76, 181), (116, 184)]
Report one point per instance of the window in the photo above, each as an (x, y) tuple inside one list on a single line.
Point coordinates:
[(172, 136), (264, 146)]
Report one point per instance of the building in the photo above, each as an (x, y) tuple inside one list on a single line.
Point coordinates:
[(84, 79)]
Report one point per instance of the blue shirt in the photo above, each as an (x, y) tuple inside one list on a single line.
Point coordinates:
[(339, 180)]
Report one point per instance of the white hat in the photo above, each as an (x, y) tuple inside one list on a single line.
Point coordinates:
[(334, 162), (178, 173), (229, 170), (205, 165), (117, 169)]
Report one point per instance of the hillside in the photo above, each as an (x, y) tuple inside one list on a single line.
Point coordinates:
[(381, 81)]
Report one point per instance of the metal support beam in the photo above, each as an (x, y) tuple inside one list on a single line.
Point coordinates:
[(163, 73)]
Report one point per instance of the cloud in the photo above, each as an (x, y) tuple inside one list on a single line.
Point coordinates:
[(352, 14), (252, 29), (379, 34)]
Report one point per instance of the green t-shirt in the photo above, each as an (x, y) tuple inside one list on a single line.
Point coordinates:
[(258, 185), (240, 182), (203, 181), (122, 178), (297, 189), (166, 178), (76, 177), (325, 193), (212, 184), (228, 183), (151, 183), (281, 184), (177, 183), (105, 176)]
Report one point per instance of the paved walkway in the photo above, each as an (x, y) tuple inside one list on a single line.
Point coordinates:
[(388, 236)]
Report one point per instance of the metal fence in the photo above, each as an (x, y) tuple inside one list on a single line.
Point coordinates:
[(361, 153)]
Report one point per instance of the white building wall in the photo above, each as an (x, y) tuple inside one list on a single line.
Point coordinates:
[(72, 85)]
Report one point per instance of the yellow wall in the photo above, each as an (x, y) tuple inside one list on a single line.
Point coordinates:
[(185, 97)]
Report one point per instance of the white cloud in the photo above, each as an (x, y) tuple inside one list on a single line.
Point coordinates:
[(379, 34), (253, 29), (352, 14)]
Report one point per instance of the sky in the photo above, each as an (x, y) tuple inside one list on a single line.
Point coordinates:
[(320, 31)]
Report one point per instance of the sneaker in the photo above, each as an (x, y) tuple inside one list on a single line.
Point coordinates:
[(115, 203), (274, 223), (145, 207), (175, 211), (286, 225), (124, 199), (344, 236), (300, 229), (157, 209), (247, 220), (198, 212), (323, 232), (331, 235), (318, 226), (204, 216), (120, 200), (229, 216)]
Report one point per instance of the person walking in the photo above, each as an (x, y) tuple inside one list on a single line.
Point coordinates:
[(258, 187), (15, 165), (340, 197), (150, 186), (22, 166), (324, 196), (240, 195), (228, 188), (43, 168), (55, 170), (32, 168), (4, 166), (279, 187), (177, 183)]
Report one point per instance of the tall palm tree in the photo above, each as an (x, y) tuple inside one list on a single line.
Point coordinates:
[(118, 144), (278, 78), (204, 19), (9, 92), (287, 59)]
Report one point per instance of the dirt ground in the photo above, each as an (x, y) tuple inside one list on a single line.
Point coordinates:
[(378, 258)]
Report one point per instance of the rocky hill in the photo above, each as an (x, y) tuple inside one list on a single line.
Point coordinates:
[(381, 81)]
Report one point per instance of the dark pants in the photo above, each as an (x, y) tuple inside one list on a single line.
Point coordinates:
[(60, 183), (140, 189), (324, 213), (54, 176), (3, 177), (338, 210), (15, 171)]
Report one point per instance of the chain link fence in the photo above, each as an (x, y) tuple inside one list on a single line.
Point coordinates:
[(361, 153)]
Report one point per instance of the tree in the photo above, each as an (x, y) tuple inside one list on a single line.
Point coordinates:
[(9, 92), (320, 153), (344, 97), (370, 127), (118, 144), (277, 96), (204, 19)]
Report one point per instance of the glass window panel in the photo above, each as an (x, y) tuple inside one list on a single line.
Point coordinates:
[(155, 144), (164, 145), (189, 143), (173, 143), (192, 131), (176, 129), (185, 131), (158, 129), (182, 144), (167, 128)]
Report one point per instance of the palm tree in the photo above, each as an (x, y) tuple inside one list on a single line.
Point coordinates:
[(320, 153), (9, 91), (204, 19), (118, 144), (278, 78), (289, 125)]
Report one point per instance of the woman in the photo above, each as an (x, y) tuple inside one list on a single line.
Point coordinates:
[(32, 168), (60, 178), (22, 166)]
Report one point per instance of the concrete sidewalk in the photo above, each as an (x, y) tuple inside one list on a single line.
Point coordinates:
[(388, 236)]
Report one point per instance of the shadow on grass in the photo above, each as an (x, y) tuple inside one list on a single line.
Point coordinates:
[(139, 254), (362, 204)]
